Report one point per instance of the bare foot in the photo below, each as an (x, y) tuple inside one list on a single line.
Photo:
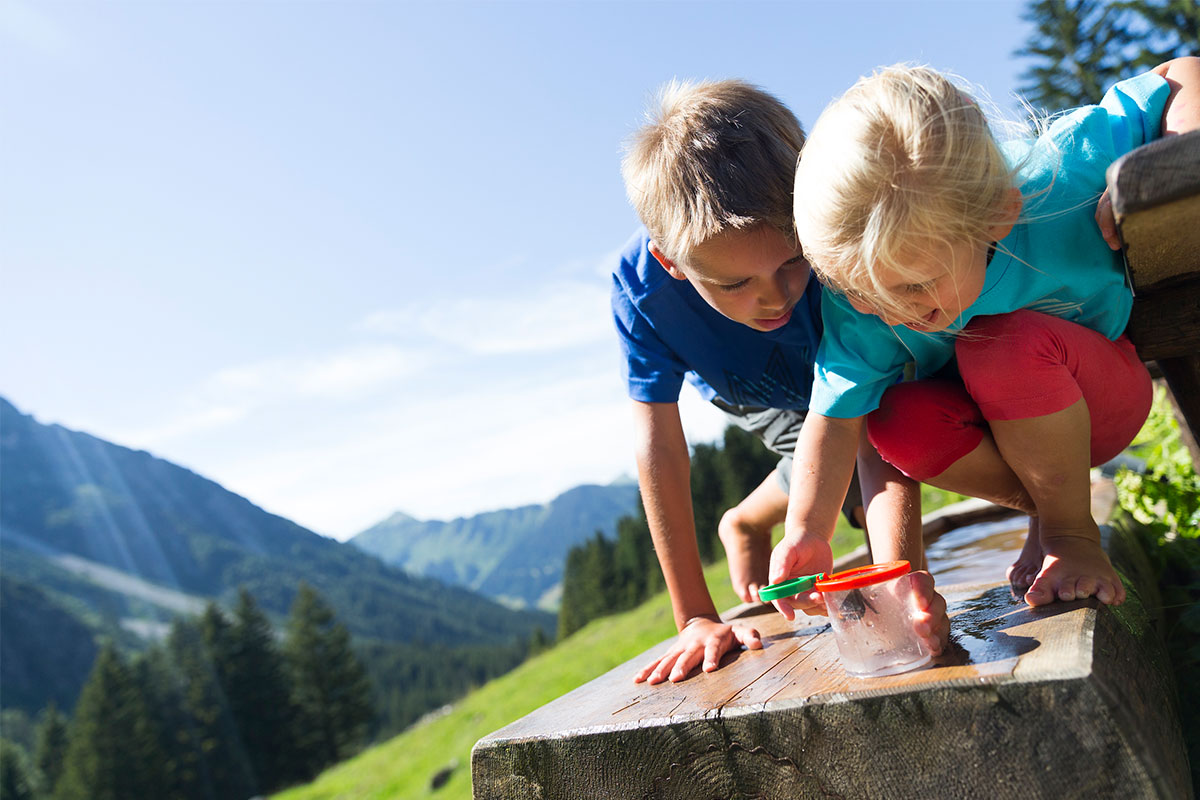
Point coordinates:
[(748, 550), (1029, 563), (1075, 566)]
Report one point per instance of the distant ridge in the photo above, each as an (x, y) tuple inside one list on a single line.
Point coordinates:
[(514, 555), (123, 541)]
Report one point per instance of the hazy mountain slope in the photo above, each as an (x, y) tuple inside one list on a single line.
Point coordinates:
[(65, 493), (515, 555)]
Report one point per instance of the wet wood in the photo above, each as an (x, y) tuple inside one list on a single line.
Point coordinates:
[(1067, 701)]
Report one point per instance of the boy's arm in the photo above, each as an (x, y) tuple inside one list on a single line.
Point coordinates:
[(823, 464), (664, 474)]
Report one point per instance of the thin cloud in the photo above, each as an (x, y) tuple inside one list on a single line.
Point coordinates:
[(235, 395), (558, 316)]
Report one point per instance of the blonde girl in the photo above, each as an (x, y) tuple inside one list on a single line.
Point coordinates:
[(980, 268)]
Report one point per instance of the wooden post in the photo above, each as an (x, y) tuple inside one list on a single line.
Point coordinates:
[(1155, 194)]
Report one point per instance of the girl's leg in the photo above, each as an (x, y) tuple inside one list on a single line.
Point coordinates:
[(934, 432), (1059, 398)]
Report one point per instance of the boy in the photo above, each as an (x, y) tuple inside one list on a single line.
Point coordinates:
[(717, 290)]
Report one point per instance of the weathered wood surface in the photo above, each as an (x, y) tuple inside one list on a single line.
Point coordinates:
[(1074, 700), (1155, 194)]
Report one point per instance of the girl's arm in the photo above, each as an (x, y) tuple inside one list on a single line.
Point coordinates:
[(823, 465), (1182, 112)]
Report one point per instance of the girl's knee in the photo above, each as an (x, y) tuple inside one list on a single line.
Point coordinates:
[(915, 419)]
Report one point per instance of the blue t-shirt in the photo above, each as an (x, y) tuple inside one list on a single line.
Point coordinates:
[(668, 333), (1054, 260)]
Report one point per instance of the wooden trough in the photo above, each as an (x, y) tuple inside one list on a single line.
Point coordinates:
[(1070, 700)]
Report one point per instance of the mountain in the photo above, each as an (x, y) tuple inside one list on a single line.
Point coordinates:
[(120, 542), (515, 555)]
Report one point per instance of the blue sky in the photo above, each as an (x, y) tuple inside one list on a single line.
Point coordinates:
[(351, 258)]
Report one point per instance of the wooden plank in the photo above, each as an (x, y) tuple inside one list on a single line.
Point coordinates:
[(1155, 192), (1027, 703), (1165, 323)]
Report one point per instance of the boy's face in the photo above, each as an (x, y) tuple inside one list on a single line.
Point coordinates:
[(754, 277)]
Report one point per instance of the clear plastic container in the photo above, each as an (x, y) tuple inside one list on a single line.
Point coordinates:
[(871, 610)]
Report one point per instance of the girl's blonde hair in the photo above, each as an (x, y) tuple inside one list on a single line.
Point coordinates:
[(901, 165)]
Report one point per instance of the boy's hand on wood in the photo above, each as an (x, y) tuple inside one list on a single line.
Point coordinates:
[(795, 556), (930, 621), (702, 638)]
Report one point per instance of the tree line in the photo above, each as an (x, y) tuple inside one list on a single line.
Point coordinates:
[(1079, 48), (603, 576), (222, 708)]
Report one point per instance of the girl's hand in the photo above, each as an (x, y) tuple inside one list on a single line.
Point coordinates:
[(796, 556), (1107, 221), (930, 622)]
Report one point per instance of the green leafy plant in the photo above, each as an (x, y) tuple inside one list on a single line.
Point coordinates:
[(1166, 495)]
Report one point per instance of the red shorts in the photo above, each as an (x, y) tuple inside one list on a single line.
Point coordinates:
[(1013, 366)]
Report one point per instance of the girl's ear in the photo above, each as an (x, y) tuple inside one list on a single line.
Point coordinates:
[(1010, 212), (667, 264)]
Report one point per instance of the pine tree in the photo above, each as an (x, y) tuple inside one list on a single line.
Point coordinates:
[(164, 688), (708, 498), (113, 751), (217, 765), (1082, 47), (633, 561), (330, 689), (50, 747), (748, 462), (16, 782), (589, 589), (259, 693), (1170, 29)]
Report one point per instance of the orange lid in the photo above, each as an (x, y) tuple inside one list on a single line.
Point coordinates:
[(862, 576)]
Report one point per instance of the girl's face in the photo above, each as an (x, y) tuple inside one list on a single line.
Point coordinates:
[(939, 284)]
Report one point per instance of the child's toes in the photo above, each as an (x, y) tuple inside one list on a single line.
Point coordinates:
[(1110, 593), (1039, 593), (1087, 586), (1066, 589)]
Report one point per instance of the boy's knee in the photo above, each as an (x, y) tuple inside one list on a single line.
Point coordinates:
[(732, 522)]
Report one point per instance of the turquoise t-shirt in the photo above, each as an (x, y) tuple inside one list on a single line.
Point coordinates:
[(1054, 261)]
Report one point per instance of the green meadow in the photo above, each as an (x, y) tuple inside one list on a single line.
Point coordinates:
[(403, 767)]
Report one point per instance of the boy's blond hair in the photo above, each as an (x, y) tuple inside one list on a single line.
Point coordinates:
[(713, 156), (900, 166)]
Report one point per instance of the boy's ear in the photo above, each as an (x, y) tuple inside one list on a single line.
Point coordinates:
[(667, 264), (1010, 212)]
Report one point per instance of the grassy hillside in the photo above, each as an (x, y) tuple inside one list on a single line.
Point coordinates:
[(403, 767)]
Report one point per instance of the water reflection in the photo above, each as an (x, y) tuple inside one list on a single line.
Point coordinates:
[(979, 553)]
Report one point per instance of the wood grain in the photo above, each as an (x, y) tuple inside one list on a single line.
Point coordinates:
[(1065, 701)]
